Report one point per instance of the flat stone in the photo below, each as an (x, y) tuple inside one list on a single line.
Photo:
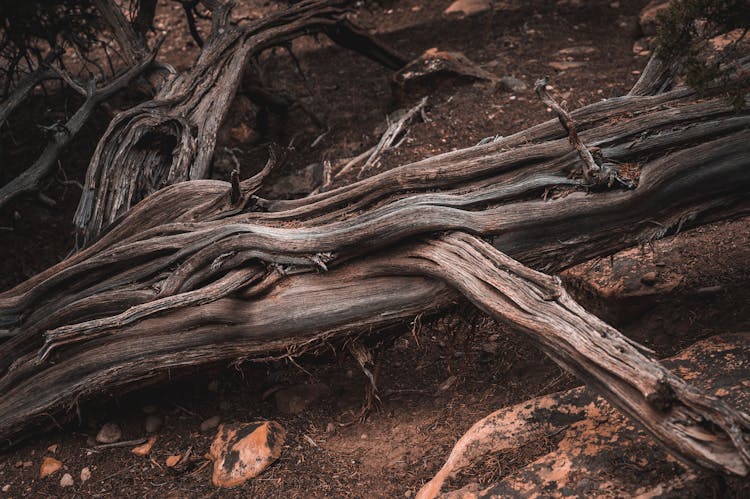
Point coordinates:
[(298, 183), (49, 466), (629, 283), (295, 399), (433, 68), (597, 442), (109, 433), (468, 7), (241, 452)]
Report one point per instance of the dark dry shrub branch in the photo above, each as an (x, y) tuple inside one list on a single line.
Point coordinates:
[(684, 35)]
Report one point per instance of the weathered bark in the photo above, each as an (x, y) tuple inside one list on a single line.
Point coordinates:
[(210, 279), (172, 137)]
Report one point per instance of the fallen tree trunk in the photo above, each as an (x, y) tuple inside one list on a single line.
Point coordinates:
[(224, 276)]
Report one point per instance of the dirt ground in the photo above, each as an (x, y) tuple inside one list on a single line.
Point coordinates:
[(438, 375)]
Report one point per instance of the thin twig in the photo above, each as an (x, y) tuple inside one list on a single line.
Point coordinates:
[(589, 165)]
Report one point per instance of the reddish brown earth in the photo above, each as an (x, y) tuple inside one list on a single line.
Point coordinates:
[(445, 372)]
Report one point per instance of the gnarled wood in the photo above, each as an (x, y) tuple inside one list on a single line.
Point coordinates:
[(216, 280), (171, 138)]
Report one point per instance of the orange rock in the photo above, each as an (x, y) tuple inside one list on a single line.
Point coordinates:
[(173, 460), (241, 452), (145, 448), (49, 466)]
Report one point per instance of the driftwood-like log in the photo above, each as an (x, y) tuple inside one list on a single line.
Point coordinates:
[(171, 138), (211, 279)]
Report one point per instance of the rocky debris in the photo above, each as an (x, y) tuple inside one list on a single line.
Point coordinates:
[(210, 423), (580, 51), (599, 445), (6, 488), (172, 461), (109, 433), (243, 451), (145, 448), (512, 84), (641, 47), (649, 278), (428, 71), (66, 480), (649, 14), (85, 474), (629, 283), (49, 466), (468, 7), (153, 423), (53, 448), (295, 399), (566, 65), (299, 183)]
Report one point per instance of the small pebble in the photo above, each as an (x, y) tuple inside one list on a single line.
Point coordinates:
[(49, 466), (6, 488), (66, 480), (330, 428), (109, 434), (85, 474), (649, 278), (210, 423)]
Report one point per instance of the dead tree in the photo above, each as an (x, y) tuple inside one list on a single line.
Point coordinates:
[(170, 137), (204, 271)]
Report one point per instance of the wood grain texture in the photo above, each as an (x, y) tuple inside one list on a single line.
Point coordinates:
[(211, 280)]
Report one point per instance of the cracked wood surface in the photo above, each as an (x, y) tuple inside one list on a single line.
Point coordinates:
[(210, 280)]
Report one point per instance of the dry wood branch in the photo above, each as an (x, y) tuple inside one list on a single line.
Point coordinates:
[(172, 137), (25, 86), (163, 289), (64, 134), (694, 426), (590, 167), (132, 43)]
